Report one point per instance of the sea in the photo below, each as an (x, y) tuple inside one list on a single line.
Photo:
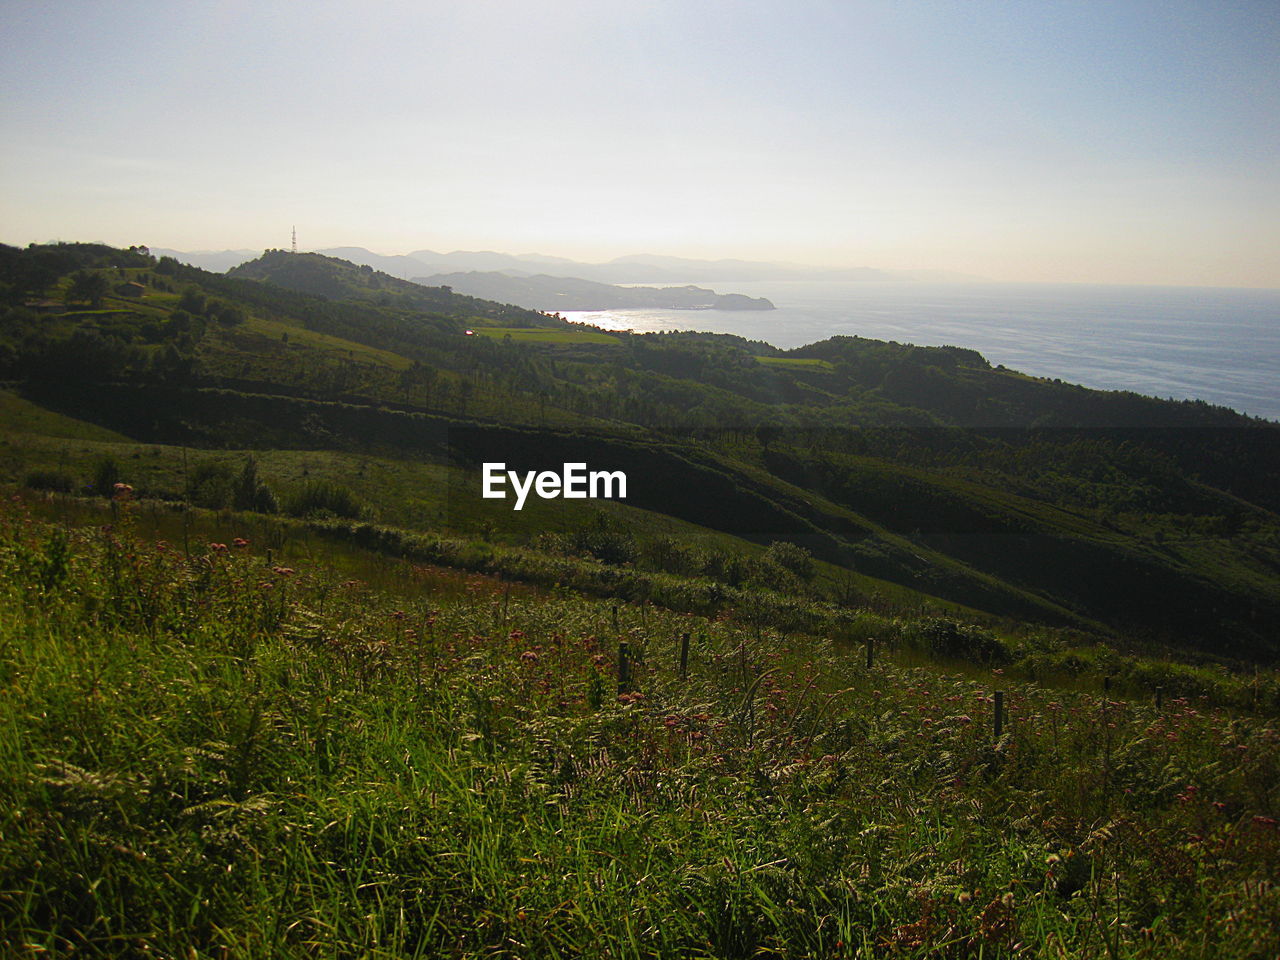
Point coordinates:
[(1218, 344)]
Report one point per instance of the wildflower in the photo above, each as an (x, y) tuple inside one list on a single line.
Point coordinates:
[(529, 656), (218, 547), (283, 571), (239, 543), (121, 491)]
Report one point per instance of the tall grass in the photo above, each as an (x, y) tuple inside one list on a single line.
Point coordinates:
[(219, 756)]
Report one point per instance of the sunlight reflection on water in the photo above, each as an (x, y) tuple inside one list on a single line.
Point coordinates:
[(1216, 344)]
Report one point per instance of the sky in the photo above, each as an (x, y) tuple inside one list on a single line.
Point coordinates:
[(1107, 142)]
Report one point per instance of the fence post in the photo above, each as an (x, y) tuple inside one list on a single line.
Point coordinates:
[(1159, 697), (624, 667), (684, 655), (870, 652), (615, 618), (998, 722)]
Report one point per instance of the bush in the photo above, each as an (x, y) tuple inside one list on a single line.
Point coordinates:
[(211, 486), (948, 638), (105, 477), (773, 576), (605, 540), (324, 498), (791, 557), (50, 480), (250, 493), (672, 556)]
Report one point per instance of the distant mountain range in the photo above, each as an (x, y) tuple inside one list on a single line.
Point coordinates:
[(638, 268)]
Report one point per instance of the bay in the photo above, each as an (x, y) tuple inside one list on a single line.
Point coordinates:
[(1218, 344)]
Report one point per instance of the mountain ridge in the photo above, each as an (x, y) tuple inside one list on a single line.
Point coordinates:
[(630, 268)]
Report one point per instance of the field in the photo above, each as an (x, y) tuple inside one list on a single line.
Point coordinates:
[(531, 335), (219, 755), (797, 363)]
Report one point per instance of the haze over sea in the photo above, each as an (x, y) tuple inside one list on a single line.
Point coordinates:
[(1218, 344)]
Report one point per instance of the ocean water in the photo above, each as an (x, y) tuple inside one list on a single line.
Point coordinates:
[(1217, 344)]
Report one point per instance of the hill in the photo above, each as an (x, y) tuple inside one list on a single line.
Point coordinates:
[(911, 475), (554, 294), (337, 279), (886, 652)]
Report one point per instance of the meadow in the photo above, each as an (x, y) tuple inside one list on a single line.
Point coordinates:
[(215, 754)]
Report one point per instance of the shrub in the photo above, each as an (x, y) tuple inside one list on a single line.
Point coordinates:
[(791, 557), (105, 477), (774, 576), (250, 493), (324, 498), (948, 638), (604, 539), (672, 556), (49, 480), (211, 486)]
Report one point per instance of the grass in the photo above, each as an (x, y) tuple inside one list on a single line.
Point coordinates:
[(222, 756), (20, 416), (540, 335), (798, 363), (299, 336)]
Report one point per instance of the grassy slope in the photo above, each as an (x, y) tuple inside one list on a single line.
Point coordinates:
[(545, 336), (980, 572), (405, 493), (217, 758)]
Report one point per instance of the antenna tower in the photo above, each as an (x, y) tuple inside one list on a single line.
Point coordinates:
[(295, 239)]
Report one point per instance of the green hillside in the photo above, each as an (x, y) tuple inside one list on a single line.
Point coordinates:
[(1148, 523), (237, 741), (886, 652)]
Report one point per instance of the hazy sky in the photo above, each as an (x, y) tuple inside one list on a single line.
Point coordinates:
[(1092, 141)]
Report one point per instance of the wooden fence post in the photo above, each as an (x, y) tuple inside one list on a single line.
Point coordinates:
[(998, 722), (870, 652), (684, 655)]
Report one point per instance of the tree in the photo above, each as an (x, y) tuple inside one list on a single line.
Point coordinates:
[(767, 434), (246, 492), (225, 313), (192, 301), (88, 287)]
